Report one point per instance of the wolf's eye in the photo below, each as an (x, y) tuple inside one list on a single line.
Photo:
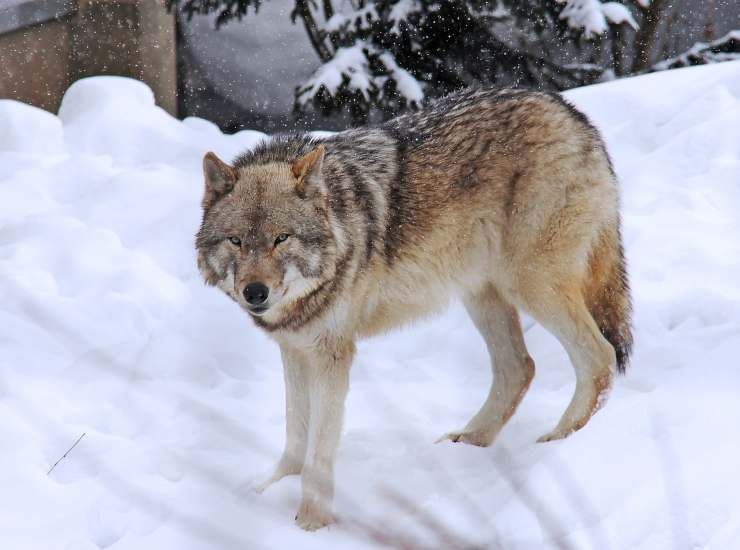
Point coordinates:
[(236, 241), (281, 238)]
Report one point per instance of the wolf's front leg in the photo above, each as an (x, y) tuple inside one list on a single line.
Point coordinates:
[(328, 383), (295, 369)]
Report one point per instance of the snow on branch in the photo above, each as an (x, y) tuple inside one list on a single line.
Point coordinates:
[(335, 22), (593, 17), (401, 12), (364, 17), (349, 67), (361, 18), (618, 13), (726, 48), (409, 88), (365, 69)]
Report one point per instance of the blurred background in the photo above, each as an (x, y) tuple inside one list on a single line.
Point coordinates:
[(275, 65)]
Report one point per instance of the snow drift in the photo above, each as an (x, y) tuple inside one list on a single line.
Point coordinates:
[(106, 329)]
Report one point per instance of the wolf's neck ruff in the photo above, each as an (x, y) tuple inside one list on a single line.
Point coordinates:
[(311, 305)]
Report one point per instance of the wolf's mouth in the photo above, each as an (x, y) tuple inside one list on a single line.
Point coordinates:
[(259, 310)]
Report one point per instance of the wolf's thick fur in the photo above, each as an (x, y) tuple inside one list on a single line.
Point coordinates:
[(504, 198)]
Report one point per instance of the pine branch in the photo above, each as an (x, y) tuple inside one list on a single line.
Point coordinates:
[(303, 10), (328, 9)]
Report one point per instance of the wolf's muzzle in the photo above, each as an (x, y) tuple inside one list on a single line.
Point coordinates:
[(256, 294)]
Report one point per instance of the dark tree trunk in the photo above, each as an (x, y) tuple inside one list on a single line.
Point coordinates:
[(617, 45), (710, 31), (647, 35)]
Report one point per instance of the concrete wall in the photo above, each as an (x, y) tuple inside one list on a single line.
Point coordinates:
[(45, 45)]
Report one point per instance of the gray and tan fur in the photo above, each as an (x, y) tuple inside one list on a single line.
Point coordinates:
[(503, 198)]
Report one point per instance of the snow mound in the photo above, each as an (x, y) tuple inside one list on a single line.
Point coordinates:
[(107, 330), (116, 116), (27, 129)]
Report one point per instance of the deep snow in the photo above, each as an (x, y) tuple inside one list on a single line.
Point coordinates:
[(106, 329)]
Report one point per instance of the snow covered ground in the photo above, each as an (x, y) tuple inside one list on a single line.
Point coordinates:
[(106, 329)]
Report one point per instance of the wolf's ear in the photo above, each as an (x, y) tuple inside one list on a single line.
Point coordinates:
[(220, 178), (306, 167)]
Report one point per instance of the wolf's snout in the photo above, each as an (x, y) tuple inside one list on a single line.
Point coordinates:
[(256, 294)]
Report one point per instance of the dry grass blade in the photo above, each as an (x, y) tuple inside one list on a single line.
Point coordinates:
[(66, 453)]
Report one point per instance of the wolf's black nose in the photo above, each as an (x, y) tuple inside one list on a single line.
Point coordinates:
[(256, 293)]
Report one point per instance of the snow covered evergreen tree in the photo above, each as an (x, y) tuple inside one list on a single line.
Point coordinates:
[(380, 57), (390, 54)]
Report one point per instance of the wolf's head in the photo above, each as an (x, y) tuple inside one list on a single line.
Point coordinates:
[(266, 239)]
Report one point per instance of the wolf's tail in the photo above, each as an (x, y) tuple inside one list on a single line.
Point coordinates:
[(607, 293)]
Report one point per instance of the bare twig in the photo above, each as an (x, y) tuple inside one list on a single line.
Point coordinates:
[(65, 454)]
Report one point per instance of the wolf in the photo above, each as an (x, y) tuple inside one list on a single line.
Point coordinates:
[(503, 198)]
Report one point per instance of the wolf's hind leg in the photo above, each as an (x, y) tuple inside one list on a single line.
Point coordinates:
[(297, 412), (563, 312), (513, 368)]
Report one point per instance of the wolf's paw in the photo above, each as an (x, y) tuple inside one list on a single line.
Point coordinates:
[(478, 438), (554, 435), (312, 516)]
